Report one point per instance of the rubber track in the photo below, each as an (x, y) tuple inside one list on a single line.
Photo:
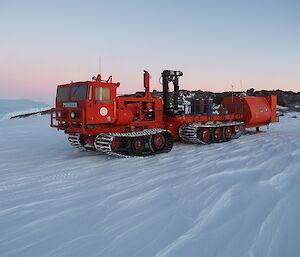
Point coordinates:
[(188, 132), (103, 142), (75, 142)]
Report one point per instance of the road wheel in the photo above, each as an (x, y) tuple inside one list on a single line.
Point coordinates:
[(158, 142), (204, 135), (227, 133), (217, 134), (136, 145)]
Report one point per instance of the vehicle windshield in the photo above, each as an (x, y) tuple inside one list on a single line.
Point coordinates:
[(78, 92), (63, 93)]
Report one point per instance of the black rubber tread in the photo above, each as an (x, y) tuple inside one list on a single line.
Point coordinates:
[(190, 132), (75, 141), (103, 143)]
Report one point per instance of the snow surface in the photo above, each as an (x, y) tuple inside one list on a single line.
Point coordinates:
[(13, 107), (235, 199)]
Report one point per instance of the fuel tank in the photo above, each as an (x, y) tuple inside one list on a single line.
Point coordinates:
[(256, 110), (124, 117)]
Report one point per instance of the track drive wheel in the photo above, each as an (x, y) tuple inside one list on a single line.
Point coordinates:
[(227, 133), (236, 128), (115, 144), (136, 145), (217, 134), (204, 135), (238, 131)]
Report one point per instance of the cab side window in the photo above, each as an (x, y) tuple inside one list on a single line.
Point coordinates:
[(103, 94), (90, 92)]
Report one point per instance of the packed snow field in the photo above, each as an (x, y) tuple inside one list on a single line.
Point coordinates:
[(235, 199)]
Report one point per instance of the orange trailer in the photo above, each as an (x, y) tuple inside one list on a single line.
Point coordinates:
[(257, 111)]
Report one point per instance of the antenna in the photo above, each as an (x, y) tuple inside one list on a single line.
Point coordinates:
[(100, 64), (241, 83), (232, 93)]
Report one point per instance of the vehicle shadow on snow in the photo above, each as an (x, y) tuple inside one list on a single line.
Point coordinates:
[(254, 132)]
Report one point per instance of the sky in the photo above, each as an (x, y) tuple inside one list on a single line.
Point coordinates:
[(216, 44)]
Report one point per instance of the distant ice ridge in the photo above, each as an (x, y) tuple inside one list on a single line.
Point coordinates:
[(10, 108), (7, 116)]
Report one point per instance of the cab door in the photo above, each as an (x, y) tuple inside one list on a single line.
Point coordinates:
[(105, 103), (89, 114)]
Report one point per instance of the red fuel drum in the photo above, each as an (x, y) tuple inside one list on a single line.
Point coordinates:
[(256, 111)]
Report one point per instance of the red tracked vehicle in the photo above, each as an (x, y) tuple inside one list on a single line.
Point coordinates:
[(96, 118)]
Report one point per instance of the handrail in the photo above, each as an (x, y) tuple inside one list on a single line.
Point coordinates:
[(65, 118)]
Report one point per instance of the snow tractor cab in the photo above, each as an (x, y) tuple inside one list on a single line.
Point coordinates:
[(96, 118), (82, 103)]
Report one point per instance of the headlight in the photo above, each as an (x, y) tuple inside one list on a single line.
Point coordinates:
[(73, 115), (59, 114)]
